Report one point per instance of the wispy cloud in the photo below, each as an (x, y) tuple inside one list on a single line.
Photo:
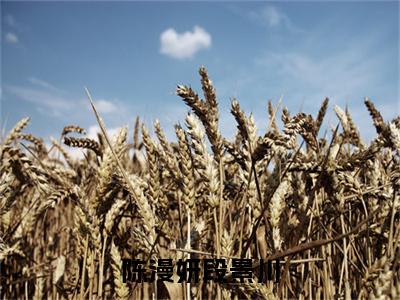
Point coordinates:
[(339, 75), (11, 38), (110, 107), (49, 98), (11, 27), (105, 106), (43, 84), (184, 45), (93, 130), (44, 100), (273, 17)]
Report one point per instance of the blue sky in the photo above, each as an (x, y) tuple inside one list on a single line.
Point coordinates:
[(131, 56)]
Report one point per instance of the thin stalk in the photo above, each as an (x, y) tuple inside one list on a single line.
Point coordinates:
[(84, 268), (188, 247), (221, 216), (100, 293)]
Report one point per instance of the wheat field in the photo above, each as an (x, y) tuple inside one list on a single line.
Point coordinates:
[(327, 206)]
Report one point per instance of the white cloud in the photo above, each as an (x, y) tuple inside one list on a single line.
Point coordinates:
[(337, 75), (75, 153), (42, 83), (104, 106), (184, 45), (95, 129), (47, 99), (273, 17), (42, 98), (78, 153), (11, 38)]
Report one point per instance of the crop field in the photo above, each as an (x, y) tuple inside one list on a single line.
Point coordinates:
[(319, 203)]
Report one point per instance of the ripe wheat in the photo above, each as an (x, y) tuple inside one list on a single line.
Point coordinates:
[(329, 208)]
